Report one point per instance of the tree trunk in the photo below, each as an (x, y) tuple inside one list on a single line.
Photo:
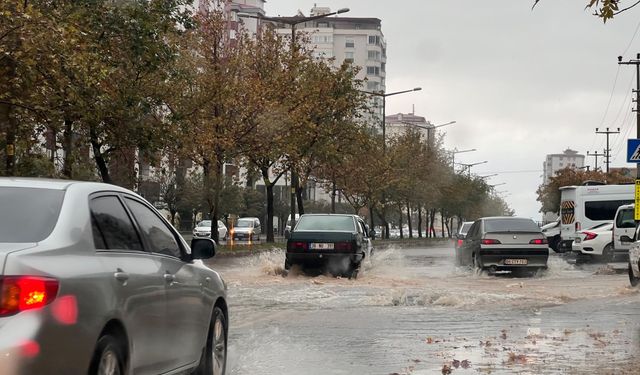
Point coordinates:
[(218, 181), (432, 219), (419, 221), (299, 198), (99, 158), (67, 146), (270, 208), (409, 223), (442, 223), (333, 196), (401, 229)]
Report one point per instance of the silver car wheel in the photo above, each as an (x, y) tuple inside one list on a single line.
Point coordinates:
[(109, 363), (219, 346)]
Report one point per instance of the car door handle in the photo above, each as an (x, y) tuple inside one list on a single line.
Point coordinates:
[(121, 276), (169, 277)]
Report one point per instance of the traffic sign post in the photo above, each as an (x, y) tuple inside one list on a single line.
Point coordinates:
[(636, 211), (633, 150)]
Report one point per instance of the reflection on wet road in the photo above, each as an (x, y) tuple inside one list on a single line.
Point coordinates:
[(413, 312)]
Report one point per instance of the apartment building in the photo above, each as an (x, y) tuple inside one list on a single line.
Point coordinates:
[(358, 40), (554, 162)]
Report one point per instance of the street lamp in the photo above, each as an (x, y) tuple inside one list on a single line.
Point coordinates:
[(427, 127), (456, 151), (489, 175), (468, 166), (384, 105), (292, 22)]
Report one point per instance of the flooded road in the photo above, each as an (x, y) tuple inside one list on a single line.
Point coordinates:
[(413, 312)]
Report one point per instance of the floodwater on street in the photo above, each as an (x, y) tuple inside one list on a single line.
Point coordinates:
[(412, 311)]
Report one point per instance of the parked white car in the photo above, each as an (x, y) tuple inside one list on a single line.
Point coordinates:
[(203, 230), (595, 242), (634, 257)]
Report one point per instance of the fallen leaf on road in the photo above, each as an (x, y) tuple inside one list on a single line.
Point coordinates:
[(446, 370), (465, 364)]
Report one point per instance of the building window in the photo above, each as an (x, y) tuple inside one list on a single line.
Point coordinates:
[(373, 71), (322, 39), (323, 24), (374, 39), (383, 67), (349, 43), (373, 55), (348, 57), (373, 86)]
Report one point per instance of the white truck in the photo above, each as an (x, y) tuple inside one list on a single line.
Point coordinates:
[(582, 207)]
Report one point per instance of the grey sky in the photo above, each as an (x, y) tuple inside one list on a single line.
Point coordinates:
[(520, 83)]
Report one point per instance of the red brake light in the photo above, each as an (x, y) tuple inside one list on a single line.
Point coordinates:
[(19, 293), (539, 241), (488, 241), (590, 236), (297, 245), (341, 246)]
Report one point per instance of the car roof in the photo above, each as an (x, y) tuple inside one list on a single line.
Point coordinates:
[(55, 184), (350, 215), (505, 218)]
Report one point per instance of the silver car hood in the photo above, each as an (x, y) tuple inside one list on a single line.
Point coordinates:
[(8, 248)]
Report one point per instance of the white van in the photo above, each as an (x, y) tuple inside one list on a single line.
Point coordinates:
[(586, 206), (623, 225)]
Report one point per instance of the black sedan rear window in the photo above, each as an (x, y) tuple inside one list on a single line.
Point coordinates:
[(28, 214), (510, 225), (320, 223)]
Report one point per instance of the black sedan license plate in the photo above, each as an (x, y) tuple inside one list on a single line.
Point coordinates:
[(518, 262), (321, 246)]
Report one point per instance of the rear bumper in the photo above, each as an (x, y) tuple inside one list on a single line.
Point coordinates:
[(497, 258), (319, 258)]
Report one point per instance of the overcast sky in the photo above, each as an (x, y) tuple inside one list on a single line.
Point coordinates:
[(521, 84)]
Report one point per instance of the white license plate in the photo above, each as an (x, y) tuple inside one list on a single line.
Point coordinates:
[(321, 246), (516, 261)]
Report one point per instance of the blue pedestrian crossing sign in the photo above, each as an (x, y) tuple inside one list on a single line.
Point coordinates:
[(633, 150)]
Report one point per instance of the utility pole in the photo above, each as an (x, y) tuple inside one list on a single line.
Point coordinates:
[(596, 155), (607, 151), (635, 62)]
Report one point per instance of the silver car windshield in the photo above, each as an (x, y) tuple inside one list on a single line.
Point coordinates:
[(28, 214), (510, 225), (337, 223)]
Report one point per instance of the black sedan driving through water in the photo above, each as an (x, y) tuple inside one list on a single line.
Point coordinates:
[(336, 242), (504, 244)]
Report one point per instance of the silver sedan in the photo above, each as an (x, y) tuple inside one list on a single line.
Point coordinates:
[(94, 280)]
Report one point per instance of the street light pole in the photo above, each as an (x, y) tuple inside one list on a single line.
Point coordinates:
[(427, 128), (293, 21), (468, 166), (384, 107), (384, 134), (453, 156)]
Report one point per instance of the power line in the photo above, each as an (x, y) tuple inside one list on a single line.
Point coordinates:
[(631, 41)]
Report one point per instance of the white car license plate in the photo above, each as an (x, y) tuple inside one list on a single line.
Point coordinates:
[(321, 246), (516, 261)]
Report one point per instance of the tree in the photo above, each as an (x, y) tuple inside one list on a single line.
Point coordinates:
[(606, 9), (549, 194)]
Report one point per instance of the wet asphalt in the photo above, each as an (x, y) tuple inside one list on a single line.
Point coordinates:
[(412, 311)]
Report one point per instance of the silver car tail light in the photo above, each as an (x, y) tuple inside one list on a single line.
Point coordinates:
[(20, 293)]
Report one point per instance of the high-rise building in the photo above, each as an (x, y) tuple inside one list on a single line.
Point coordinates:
[(555, 162), (358, 40)]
